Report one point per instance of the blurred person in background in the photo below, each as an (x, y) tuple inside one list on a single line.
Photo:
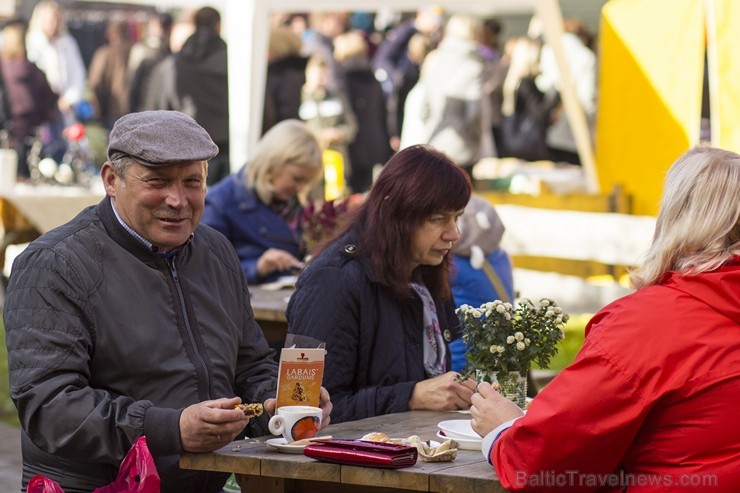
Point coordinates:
[(29, 97), (371, 145), (452, 95), (259, 208), (390, 60), (145, 54), (526, 110), (581, 62), (319, 41), (327, 111), (108, 76), (286, 74), (50, 46), (406, 124), (202, 88)]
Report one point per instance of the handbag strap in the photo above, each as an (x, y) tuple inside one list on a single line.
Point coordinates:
[(495, 281)]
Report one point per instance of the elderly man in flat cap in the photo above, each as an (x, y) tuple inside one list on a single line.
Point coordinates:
[(132, 319)]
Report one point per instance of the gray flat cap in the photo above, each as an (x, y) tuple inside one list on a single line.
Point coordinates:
[(159, 138)]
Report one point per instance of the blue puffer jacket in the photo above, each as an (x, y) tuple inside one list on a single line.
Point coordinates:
[(373, 340), (251, 226), (470, 286)]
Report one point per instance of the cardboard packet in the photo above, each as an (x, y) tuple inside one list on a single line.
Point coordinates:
[(299, 376)]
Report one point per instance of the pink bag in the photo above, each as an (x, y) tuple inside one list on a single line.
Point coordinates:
[(40, 484), (137, 474)]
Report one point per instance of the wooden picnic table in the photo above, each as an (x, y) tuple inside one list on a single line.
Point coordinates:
[(269, 312), (259, 467)]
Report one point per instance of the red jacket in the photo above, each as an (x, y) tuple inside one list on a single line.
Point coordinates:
[(652, 397)]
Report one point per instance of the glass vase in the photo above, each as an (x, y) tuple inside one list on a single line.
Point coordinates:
[(511, 384)]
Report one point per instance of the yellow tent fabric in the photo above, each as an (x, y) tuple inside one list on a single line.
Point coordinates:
[(722, 23), (650, 83)]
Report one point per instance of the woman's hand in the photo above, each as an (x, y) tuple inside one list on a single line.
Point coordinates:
[(275, 260), (442, 393), (326, 406), (490, 409)]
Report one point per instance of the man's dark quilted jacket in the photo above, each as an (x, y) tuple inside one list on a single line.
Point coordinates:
[(108, 341)]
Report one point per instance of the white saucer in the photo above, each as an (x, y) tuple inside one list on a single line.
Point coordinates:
[(282, 445), (463, 443), (458, 428)]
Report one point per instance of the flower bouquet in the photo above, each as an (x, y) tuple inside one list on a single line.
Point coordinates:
[(503, 341)]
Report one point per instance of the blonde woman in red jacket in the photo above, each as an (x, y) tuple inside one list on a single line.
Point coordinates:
[(650, 403)]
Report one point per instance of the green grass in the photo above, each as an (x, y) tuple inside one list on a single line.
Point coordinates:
[(569, 347), (8, 413)]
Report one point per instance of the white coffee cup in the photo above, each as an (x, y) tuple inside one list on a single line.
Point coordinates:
[(296, 422)]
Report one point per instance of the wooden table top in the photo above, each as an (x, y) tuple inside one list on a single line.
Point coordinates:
[(269, 305), (254, 461)]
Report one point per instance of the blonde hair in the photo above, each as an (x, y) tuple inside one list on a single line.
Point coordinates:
[(288, 142), (524, 62), (698, 227), (283, 43), (42, 11), (349, 45), (464, 27), (14, 41)]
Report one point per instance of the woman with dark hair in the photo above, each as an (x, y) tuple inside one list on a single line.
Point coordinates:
[(379, 293)]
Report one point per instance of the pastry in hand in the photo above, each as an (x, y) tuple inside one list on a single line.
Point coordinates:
[(250, 410)]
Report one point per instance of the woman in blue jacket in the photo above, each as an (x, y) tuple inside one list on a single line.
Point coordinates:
[(379, 293), (259, 209)]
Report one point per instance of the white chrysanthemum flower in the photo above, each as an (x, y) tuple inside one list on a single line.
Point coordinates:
[(519, 336), (493, 349), (510, 340), (520, 346), (501, 349), (507, 315), (545, 302), (476, 313), (527, 341), (501, 308), (508, 305)]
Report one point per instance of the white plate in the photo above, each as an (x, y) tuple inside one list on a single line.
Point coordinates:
[(463, 444), (282, 445), (458, 428)]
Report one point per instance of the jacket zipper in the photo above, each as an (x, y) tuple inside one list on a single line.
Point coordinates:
[(188, 328)]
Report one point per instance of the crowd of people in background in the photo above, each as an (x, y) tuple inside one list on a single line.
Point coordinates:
[(368, 84)]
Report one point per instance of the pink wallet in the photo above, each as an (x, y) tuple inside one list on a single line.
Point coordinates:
[(362, 453)]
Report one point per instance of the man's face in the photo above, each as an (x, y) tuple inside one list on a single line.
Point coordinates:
[(162, 204)]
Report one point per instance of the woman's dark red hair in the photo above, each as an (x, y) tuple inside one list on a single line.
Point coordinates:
[(416, 183)]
